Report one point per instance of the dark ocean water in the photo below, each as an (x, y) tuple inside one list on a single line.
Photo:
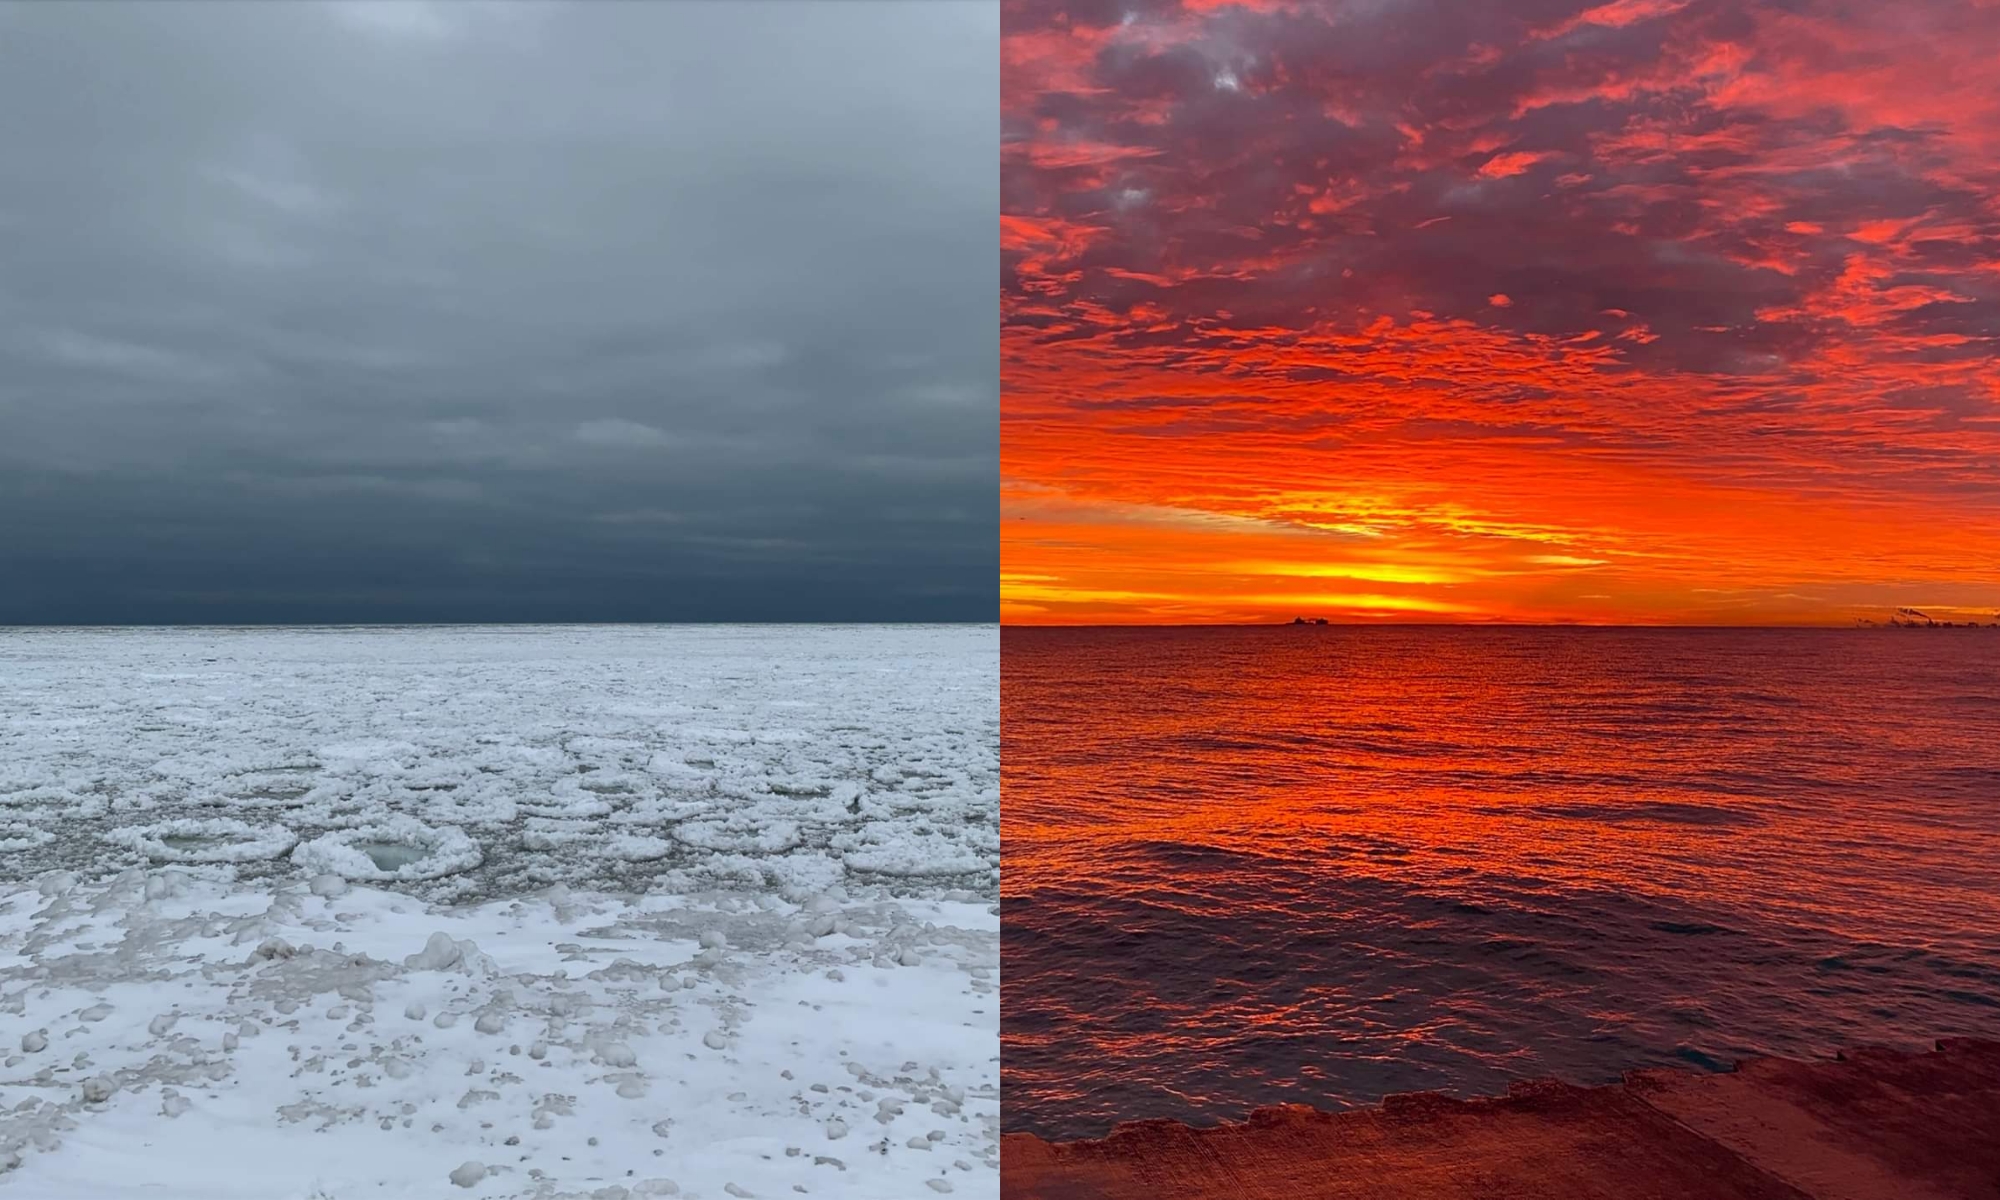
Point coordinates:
[(1321, 865)]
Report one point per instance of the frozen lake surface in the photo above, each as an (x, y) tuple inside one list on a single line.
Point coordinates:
[(706, 911), (782, 758)]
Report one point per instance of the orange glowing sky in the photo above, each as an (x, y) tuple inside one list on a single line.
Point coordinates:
[(1648, 311)]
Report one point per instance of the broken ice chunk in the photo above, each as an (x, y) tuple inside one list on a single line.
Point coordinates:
[(440, 953), (467, 1174), (617, 1054)]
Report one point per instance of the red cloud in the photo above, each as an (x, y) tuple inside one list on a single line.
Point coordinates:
[(1704, 295), (1500, 166)]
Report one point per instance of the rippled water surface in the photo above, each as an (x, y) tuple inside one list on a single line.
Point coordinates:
[(1253, 866)]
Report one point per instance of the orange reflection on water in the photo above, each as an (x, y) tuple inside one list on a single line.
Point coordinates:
[(1262, 864)]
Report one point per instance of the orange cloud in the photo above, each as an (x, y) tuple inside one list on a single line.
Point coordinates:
[(1319, 343)]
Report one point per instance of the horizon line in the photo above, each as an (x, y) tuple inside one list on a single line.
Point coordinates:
[(1495, 624), (12, 625)]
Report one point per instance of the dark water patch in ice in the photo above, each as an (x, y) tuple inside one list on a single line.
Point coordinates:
[(390, 857)]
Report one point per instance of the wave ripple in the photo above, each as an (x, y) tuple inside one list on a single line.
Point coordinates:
[(1459, 857)]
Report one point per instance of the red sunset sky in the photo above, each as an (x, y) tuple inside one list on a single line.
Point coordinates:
[(1460, 309)]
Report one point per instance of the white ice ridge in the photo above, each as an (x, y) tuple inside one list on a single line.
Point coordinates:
[(172, 1035)]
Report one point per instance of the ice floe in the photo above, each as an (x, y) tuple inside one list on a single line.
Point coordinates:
[(399, 849), (606, 913), (780, 758), (205, 840), (18, 836)]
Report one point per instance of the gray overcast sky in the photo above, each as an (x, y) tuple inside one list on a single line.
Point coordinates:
[(407, 312)]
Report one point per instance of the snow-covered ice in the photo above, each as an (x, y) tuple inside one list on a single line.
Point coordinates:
[(321, 914)]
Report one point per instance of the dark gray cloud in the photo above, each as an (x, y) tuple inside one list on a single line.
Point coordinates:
[(525, 311)]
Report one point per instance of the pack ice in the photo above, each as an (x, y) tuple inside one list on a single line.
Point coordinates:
[(606, 912)]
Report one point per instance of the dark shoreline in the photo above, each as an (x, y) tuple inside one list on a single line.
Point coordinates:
[(1871, 1125)]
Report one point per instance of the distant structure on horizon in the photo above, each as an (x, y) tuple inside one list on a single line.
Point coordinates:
[(1910, 618), (1314, 621)]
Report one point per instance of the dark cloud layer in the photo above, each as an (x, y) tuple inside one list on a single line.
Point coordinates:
[(388, 312)]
